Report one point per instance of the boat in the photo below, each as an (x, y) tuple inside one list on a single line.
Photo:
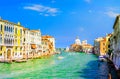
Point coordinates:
[(58, 52), (102, 58), (60, 57), (67, 49), (20, 61)]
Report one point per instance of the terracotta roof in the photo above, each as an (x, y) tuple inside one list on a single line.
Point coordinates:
[(87, 45), (25, 28), (35, 30), (46, 36)]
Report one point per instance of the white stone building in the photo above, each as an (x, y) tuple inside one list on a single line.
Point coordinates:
[(77, 41), (35, 42), (116, 42)]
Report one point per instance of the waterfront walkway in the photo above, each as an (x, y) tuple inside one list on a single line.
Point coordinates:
[(107, 70), (112, 70)]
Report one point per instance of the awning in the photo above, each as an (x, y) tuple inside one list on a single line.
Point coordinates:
[(39, 50), (33, 46)]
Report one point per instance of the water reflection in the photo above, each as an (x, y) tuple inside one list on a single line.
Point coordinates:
[(90, 71), (103, 70), (95, 70)]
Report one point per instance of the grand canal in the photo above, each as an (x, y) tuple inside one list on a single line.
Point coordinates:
[(60, 66)]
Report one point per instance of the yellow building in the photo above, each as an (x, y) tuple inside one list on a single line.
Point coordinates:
[(101, 45), (87, 48), (18, 41), (105, 44), (7, 39), (108, 42), (97, 45)]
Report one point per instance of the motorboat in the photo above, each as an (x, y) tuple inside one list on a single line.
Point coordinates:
[(60, 57), (102, 58)]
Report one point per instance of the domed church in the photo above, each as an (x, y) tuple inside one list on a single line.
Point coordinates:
[(77, 41)]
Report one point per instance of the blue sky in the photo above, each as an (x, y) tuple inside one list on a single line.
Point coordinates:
[(64, 19)]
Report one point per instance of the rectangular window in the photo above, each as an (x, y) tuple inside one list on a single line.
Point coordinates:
[(24, 39), (15, 30), (15, 48), (0, 40), (15, 53), (0, 54), (15, 41), (1, 27), (21, 49), (20, 31), (103, 48), (0, 48), (20, 53)]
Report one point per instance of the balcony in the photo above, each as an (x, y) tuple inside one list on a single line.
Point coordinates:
[(1, 44), (9, 44)]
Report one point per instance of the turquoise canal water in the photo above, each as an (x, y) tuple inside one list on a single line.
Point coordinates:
[(62, 66)]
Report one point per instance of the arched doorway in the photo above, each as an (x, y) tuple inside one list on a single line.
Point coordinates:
[(8, 54)]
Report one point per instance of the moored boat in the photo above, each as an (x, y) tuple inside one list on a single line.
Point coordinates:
[(102, 58)]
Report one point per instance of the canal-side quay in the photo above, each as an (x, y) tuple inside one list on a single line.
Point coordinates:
[(113, 72), (59, 66)]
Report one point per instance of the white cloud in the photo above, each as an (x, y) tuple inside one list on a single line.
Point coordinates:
[(88, 1), (112, 14), (46, 14), (113, 8), (43, 10)]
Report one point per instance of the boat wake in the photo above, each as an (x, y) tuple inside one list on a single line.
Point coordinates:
[(60, 57)]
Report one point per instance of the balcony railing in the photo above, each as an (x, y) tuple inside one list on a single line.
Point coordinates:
[(9, 44)]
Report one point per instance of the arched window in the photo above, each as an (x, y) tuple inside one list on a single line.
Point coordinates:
[(11, 29), (1, 48), (15, 48), (16, 30), (4, 41), (5, 28), (0, 27), (9, 41), (20, 48), (13, 41), (0, 38), (20, 31), (8, 29)]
